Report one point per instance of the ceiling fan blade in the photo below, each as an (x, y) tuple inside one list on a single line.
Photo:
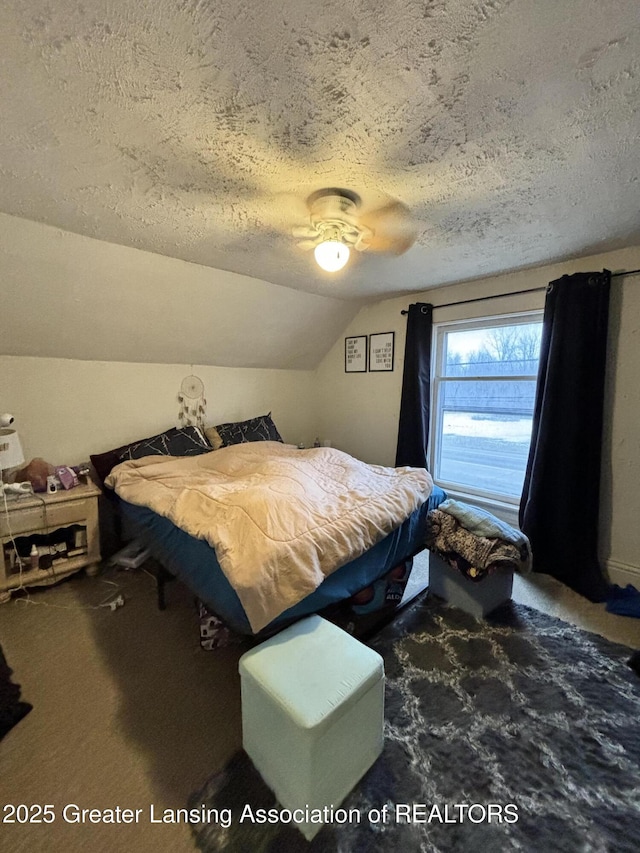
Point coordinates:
[(394, 230), (309, 244), (304, 232)]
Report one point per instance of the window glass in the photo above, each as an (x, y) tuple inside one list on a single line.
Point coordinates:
[(484, 393), (494, 351)]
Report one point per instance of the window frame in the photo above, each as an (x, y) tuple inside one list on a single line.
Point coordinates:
[(472, 494)]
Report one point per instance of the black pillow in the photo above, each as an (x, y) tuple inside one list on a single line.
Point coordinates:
[(255, 429), (104, 462), (188, 441)]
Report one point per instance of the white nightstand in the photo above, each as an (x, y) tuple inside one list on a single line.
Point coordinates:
[(71, 514)]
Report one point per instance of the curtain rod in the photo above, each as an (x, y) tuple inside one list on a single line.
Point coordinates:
[(512, 293)]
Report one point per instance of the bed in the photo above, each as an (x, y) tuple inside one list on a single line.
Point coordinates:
[(194, 562), (179, 543)]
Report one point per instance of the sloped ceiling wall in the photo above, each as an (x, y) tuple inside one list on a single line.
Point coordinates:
[(67, 296)]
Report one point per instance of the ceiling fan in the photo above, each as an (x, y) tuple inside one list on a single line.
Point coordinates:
[(336, 226)]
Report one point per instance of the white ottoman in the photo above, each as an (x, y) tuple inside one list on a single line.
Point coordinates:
[(475, 597), (312, 714)]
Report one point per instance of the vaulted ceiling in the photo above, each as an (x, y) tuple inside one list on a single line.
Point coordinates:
[(196, 129)]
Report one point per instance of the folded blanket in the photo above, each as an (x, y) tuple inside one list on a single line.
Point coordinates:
[(485, 524), (475, 556), (279, 518)]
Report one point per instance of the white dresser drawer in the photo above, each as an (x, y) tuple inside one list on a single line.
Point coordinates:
[(44, 517)]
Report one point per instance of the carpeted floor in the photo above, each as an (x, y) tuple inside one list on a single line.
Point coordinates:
[(128, 710), (520, 709)]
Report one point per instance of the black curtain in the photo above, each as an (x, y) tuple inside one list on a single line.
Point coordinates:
[(413, 429), (559, 509)]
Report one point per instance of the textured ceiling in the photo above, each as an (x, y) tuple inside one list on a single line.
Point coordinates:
[(196, 128)]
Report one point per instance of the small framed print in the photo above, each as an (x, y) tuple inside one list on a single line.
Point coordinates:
[(355, 354), (381, 351)]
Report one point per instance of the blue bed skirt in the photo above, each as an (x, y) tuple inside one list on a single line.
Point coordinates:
[(194, 562)]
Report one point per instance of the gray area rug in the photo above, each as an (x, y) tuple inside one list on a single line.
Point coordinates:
[(519, 709)]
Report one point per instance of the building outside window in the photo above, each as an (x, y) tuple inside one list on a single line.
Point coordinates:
[(483, 387)]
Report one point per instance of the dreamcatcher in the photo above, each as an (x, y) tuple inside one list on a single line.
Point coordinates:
[(192, 402)]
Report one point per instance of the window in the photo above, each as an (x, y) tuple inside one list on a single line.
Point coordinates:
[(484, 387)]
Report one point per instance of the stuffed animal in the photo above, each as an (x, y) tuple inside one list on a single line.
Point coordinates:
[(36, 473)]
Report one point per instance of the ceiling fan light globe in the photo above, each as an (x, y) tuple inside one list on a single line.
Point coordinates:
[(331, 255)]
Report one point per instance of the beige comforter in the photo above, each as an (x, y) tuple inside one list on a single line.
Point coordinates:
[(279, 518)]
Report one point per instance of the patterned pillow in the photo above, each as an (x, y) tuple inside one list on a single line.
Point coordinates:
[(255, 429), (188, 441)]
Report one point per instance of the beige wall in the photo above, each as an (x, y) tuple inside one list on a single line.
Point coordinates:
[(67, 409), (359, 412)]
